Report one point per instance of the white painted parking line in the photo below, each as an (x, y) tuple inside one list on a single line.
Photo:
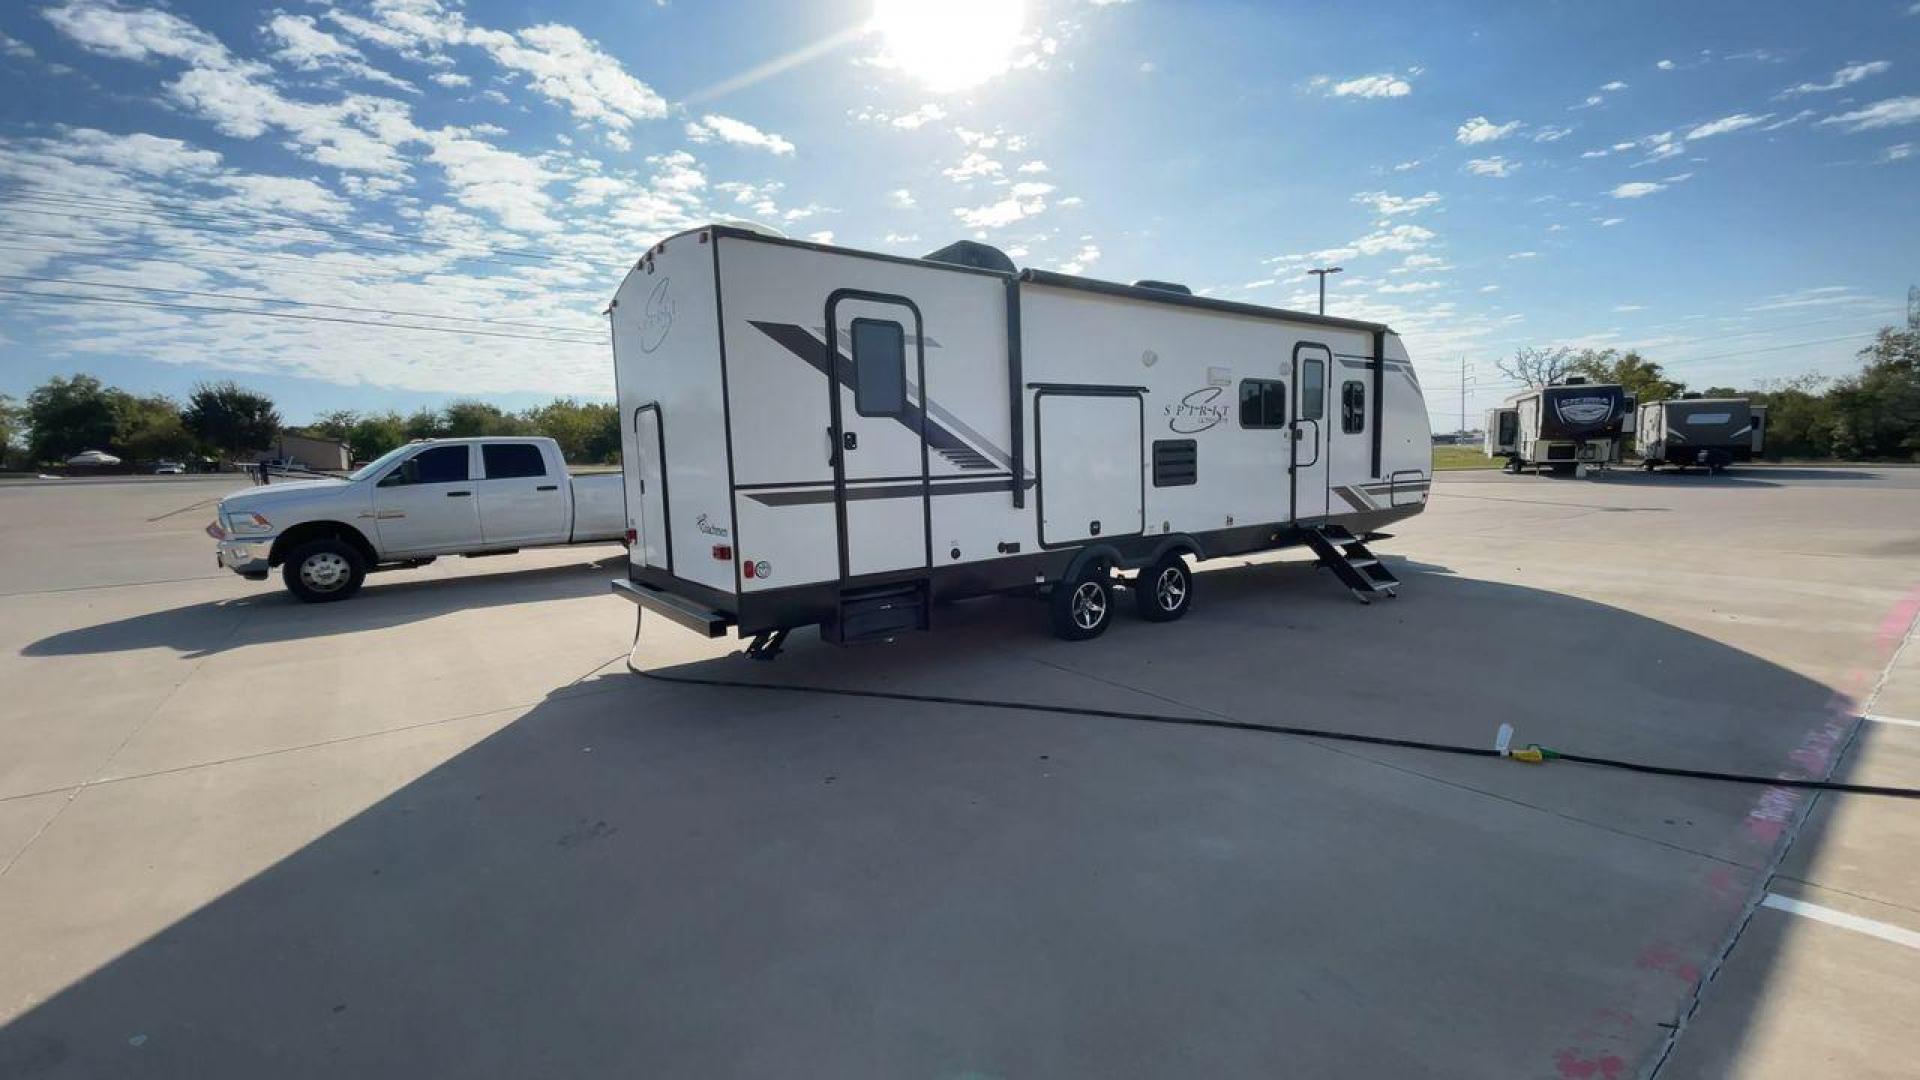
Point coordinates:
[(1878, 719), (1872, 927)]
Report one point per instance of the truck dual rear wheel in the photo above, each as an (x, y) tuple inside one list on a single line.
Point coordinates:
[(1082, 608), (1164, 591), (324, 570)]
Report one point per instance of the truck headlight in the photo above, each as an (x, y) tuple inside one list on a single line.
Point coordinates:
[(245, 522)]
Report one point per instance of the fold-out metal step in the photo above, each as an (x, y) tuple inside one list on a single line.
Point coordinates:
[(1356, 567)]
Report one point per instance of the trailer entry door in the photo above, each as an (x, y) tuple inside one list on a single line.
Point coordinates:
[(1311, 364), (1092, 474), (652, 542), (877, 439)]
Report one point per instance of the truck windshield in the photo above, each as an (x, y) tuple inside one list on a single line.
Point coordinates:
[(379, 463)]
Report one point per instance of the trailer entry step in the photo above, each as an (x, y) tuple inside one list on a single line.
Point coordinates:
[(1356, 567), (878, 613)]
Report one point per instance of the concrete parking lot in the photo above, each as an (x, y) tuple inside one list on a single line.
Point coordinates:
[(440, 830)]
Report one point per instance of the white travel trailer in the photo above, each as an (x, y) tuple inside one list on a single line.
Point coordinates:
[(1566, 427), (816, 435), (1711, 433)]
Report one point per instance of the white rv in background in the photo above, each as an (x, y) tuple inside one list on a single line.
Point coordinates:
[(816, 435), (1565, 428)]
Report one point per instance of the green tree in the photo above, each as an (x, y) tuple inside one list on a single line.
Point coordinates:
[(586, 432), (1635, 374), (232, 419), (66, 416), (468, 418), (337, 424), (149, 428), (1876, 413), (13, 422), (1799, 417), (426, 424), (375, 434)]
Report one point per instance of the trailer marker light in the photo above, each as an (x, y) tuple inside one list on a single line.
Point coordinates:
[(746, 567), (633, 537), (723, 552)]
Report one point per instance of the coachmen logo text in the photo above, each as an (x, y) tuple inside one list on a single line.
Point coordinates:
[(1196, 412), (1584, 410)]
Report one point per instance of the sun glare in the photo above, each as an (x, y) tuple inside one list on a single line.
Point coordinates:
[(949, 44)]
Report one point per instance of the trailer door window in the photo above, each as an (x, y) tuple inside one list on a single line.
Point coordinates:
[(1263, 403), (879, 368), (1313, 388), (1353, 406)]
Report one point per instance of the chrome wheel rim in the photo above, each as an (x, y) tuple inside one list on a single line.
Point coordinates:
[(324, 571), (1171, 590), (1089, 605)]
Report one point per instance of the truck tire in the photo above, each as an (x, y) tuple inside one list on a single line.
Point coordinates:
[(324, 570), (1082, 608), (1164, 591)]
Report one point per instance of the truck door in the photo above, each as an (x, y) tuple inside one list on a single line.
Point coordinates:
[(1311, 363), (877, 435), (521, 499), (647, 491), (425, 503)]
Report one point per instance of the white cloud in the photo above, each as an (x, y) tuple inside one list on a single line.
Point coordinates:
[(1071, 200), (1595, 153), (1032, 167), (450, 79), (1665, 65), (1396, 238), (1493, 166), (1607, 223), (1623, 308), (1896, 152), (1614, 86), (1550, 133), (900, 238), (900, 197), (306, 47), (1726, 124), (1636, 190), (569, 69), (1481, 130), (907, 121), (1411, 287), (736, 132), (1890, 112), (1407, 166), (1000, 214), (974, 166), (1080, 260), (1524, 255), (1846, 76), (135, 35), (1489, 288), (824, 236), (14, 47), (1384, 85), (1394, 205)]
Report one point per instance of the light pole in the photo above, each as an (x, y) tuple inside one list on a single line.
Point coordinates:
[(1322, 275)]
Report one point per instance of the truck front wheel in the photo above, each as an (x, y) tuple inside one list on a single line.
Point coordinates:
[(324, 570)]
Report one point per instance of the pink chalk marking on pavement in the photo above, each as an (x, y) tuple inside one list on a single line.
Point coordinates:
[(1573, 1066)]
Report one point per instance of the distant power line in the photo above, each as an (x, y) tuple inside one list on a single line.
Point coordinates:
[(69, 298)]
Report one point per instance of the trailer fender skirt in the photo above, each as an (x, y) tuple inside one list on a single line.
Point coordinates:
[(1533, 753)]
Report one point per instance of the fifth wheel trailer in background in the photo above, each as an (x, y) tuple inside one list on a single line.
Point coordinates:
[(1711, 433), (1560, 427), (820, 436)]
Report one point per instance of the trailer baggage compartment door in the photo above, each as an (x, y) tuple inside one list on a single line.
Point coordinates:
[(1088, 441)]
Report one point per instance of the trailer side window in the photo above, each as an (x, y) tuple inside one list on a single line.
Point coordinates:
[(1313, 388), (879, 368), (1353, 406), (1263, 403), (1176, 462)]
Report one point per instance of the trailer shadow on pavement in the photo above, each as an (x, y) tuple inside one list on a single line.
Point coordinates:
[(639, 878), (203, 629)]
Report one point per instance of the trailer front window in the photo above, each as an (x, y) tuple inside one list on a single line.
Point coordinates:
[(879, 368), (1263, 403)]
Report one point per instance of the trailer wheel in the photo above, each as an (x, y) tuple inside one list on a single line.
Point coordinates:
[(324, 570), (1083, 607), (1164, 591)]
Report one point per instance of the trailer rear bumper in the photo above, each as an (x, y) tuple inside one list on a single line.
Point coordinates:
[(688, 613)]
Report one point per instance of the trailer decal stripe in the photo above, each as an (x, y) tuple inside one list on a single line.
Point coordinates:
[(896, 491), (940, 438)]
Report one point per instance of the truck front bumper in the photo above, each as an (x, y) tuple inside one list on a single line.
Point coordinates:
[(248, 558)]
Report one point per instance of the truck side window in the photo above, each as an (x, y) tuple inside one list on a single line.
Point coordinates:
[(879, 368), (440, 465), (1263, 403), (1353, 406), (510, 461)]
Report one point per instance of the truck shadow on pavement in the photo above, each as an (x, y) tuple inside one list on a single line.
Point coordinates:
[(649, 879), (197, 630)]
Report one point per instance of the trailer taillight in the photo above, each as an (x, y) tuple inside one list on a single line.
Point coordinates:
[(723, 552), (633, 537), (746, 567)]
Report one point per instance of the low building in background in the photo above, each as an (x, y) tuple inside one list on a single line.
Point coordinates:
[(306, 451)]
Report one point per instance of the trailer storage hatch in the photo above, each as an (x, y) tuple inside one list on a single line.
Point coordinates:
[(1089, 446)]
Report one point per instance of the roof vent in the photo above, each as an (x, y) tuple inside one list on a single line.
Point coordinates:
[(1163, 286), (977, 255)]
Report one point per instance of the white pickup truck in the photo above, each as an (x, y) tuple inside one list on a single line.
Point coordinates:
[(489, 496)]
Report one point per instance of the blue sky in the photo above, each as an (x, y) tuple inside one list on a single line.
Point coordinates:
[(1730, 187)]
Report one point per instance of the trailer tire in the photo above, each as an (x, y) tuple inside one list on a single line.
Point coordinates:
[(324, 570), (1164, 591), (1082, 607)]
